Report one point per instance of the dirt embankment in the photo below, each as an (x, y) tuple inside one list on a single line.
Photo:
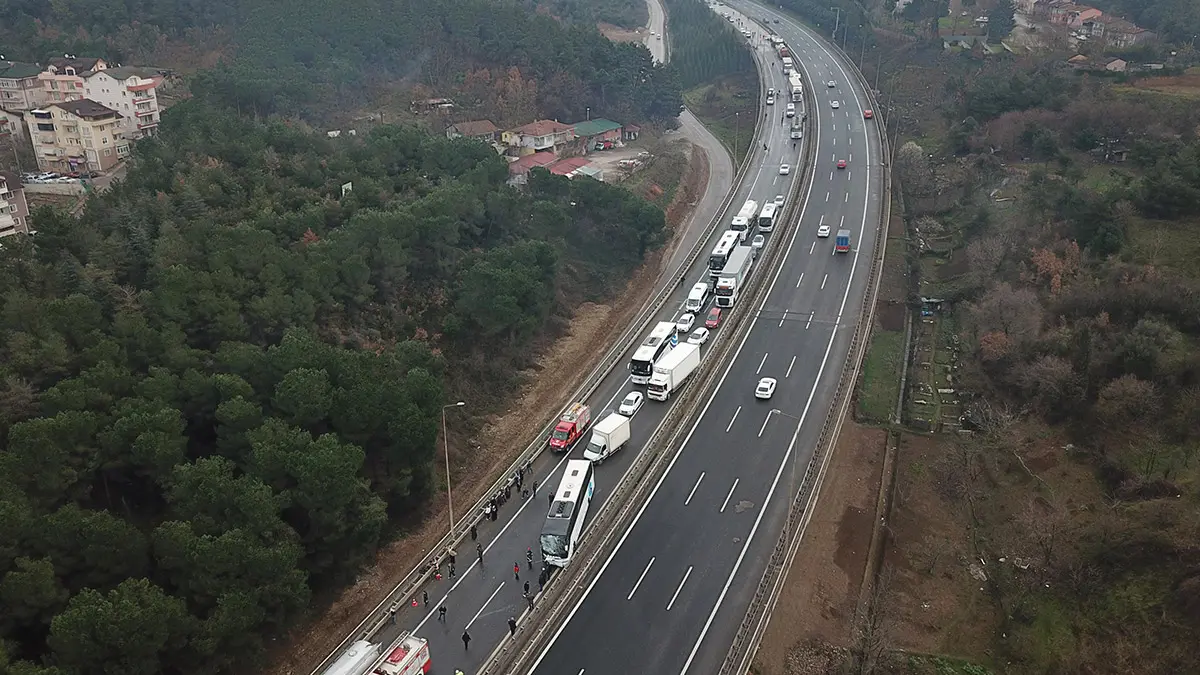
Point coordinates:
[(594, 327)]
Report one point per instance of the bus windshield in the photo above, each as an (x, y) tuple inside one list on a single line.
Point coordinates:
[(555, 545)]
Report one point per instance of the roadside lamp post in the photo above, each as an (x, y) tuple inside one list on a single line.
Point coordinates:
[(792, 488), (446, 444), (837, 22)]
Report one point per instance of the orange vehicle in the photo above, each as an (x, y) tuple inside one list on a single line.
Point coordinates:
[(570, 427)]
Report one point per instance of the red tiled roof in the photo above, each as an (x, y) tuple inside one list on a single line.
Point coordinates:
[(524, 164), (566, 166), (542, 128)]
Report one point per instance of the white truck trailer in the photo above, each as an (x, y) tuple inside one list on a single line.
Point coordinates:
[(797, 87), (734, 276), (673, 369), (608, 436)]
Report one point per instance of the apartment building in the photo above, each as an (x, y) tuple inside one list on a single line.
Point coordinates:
[(20, 88), (78, 135), (131, 91), (14, 210), (62, 79)]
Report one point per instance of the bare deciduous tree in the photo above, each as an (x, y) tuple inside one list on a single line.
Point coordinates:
[(913, 169), (1014, 312), (1050, 382), (983, 259), (1127, 401), (874, 639)]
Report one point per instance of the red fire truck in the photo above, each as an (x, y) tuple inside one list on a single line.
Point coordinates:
[(408, 655), (570, 427)]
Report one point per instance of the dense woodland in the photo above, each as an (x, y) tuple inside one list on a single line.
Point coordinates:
[(631, 14), (705, 46), (222, 380), (311, 58), (1072, 206)]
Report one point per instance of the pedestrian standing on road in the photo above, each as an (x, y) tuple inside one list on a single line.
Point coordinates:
[(452, 572), (479, 552), (425, 597), (526, 588), (529, 557), (487, 512), (508, 492), (442, 613), (512, 626), (466, 638), (535, 488), (517, 571), (453, 555), (525, 493), (392, 615), (474, 533)]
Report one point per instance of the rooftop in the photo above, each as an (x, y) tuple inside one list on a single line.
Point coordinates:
[(123, 73), (595, 127), (566, 166), (15, 70), (476, 128), (87, 108), (13, 181), (524, 164), (81, 66), (542, 128)]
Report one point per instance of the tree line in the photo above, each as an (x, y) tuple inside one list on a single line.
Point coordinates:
[(704, 46), (310, 58), (222, 381)]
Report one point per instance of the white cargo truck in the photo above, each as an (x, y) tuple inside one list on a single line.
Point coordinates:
[(673, 370), (734, 276), (797, 87), (608, 436)]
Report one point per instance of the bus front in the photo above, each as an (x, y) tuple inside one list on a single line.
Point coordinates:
[(641, 366), (556, 536)]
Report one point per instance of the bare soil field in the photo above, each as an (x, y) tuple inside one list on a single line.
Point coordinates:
[(816, 607), (593, 328), (1179, 85), (618, 34)]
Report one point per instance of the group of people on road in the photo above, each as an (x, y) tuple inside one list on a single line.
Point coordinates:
[(516, 482)]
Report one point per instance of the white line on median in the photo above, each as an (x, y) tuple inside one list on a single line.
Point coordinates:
[(801, 279), (764, 425), (639, 581)]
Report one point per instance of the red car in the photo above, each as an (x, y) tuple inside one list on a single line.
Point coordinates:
[(867, 114), (713, 319), (841, 163)]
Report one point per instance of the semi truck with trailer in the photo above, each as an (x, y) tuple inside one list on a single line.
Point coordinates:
[(734, 276), (608, 436), (673, 369), (744, 219), (842, 243), (570, 427)]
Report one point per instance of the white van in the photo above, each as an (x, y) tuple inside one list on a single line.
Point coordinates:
[(791, 110), (697, 297)]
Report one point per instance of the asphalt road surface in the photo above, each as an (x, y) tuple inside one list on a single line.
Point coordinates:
[(481, 598), (671, 596)]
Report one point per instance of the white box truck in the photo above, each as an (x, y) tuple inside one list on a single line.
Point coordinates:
[(672, 370), (608, 436)]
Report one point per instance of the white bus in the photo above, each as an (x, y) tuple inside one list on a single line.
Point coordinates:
[(641, 366), (720, 252), (744, 218), (568, 511), (766, 219)]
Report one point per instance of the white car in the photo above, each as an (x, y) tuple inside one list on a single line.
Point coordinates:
[(685, 323), (831, 84), (631, 404), (823, 231), (770, 100), (784, 169), (758, 241), (835, 104), (765, 388), (778, 200), (698, 336)]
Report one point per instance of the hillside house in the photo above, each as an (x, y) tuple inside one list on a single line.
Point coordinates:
[(568, 167), (598, 134), (1115, 32), (131, 91), (20, 88), (1072, 15), (62, 80), (518, 171), (480, 130), (14, 209), (539, 136)]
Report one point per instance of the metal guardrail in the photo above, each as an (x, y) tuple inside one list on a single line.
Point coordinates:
[(378, 618), (758, 614), (564, 591)]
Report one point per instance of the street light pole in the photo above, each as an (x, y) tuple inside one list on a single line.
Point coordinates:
[(735, 136), (792, 489), (837, 22), (446, 444)]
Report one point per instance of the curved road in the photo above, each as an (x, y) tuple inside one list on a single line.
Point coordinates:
[(671, 596)]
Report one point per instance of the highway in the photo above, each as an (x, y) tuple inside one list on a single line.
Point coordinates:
[(480, 599), (670, 597)]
